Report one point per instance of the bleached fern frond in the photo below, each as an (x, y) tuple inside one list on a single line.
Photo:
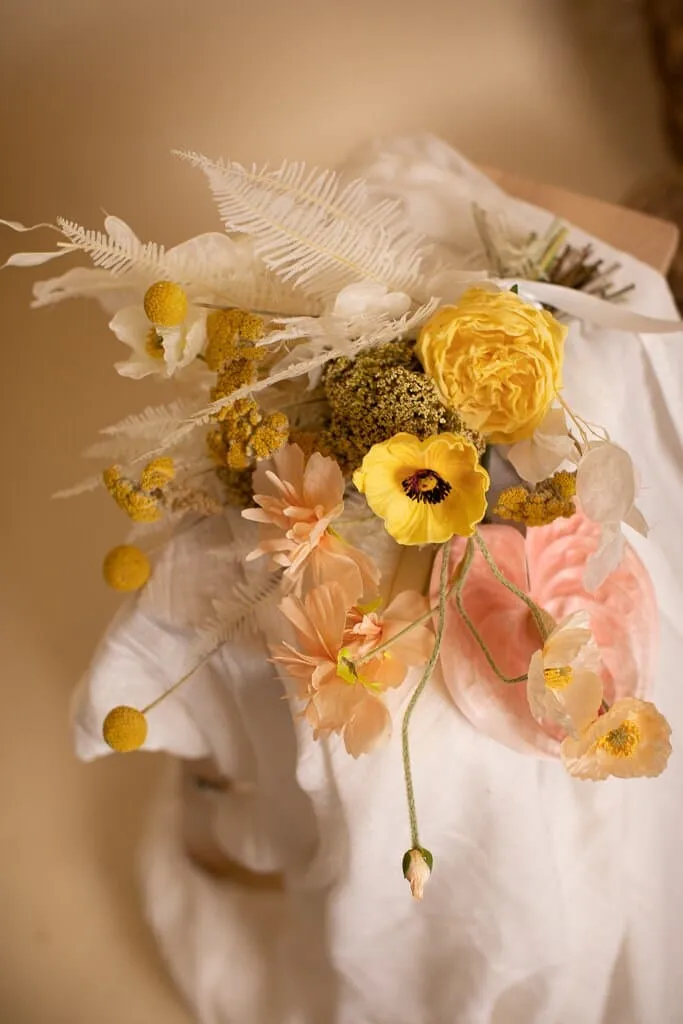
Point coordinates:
[(263, 291), (91, 483), (153, 420), (117, 255), (236, 617), (351, 339), (313, 230)]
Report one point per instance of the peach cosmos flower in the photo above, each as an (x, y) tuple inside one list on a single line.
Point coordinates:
[(299, 499), (629, 740), (326, 630)]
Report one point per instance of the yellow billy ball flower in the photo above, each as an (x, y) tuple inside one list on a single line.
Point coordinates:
[(124, 729), (425, 491), (496, 360), (126, 568), (165, 304)]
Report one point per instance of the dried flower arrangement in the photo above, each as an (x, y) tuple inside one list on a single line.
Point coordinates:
[(334, 374)]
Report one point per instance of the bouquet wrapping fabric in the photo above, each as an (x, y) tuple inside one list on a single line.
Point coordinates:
[(555, 899)]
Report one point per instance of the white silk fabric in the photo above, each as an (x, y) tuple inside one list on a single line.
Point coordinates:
[(552, 901)]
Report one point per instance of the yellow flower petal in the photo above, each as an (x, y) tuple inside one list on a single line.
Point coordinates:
[(425, 491), (495, 359)]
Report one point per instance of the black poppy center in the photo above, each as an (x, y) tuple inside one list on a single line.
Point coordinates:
[(427, 486)]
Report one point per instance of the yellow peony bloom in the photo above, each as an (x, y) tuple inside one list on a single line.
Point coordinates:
[(425, 491), (497, 360), (629, 740)]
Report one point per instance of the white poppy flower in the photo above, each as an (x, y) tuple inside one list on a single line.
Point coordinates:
[(550, 445), (562, 681), (607, 488), (155, 350)]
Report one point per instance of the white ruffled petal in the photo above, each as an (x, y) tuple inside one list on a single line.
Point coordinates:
[(369, 299), (544, 452), (131, 326)]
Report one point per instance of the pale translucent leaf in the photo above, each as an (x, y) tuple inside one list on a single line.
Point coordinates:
[(606, 483), (637, 521), (606, 558)]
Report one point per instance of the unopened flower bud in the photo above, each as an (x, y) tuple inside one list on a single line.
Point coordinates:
[(417, 867)]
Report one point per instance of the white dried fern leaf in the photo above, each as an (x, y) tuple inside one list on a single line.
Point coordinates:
[(153, 419), (236, 617), (91, 483), (384, 329), (314, 231), (115, 254), (349, 341)]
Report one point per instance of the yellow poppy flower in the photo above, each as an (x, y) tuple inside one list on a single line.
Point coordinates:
[(425, 491), (629, 740)]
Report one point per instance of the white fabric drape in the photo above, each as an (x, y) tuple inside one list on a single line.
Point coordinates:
[(552, 901)]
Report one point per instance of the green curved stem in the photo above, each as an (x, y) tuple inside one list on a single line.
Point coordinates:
[(536, 612), (419, 689)]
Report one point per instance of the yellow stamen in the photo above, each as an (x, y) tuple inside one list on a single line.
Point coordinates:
[(558, 678), (154, 344), (622, 741)]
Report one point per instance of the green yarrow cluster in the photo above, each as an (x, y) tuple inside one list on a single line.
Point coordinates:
[(381, 393)]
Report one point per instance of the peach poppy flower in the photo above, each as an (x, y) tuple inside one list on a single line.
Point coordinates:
[(628, 741), (299, 499), (338, 699)]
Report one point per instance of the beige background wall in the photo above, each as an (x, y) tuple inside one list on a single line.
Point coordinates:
[(93, 95)]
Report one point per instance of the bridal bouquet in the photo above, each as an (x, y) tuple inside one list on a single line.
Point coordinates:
[(344, 378)]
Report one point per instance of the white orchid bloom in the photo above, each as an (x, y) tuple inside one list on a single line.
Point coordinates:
[(157, 350), (607, 488), (562, 682), (550, 445)]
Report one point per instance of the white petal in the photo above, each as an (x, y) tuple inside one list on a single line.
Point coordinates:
[(131, 326), (536, 689), (368, 298), (119, 231), (544, 452), (540, 456), (606, 558), (136, 369), (564, 647), (606, 483), (174, 347), (581, 699), (195, 336)]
